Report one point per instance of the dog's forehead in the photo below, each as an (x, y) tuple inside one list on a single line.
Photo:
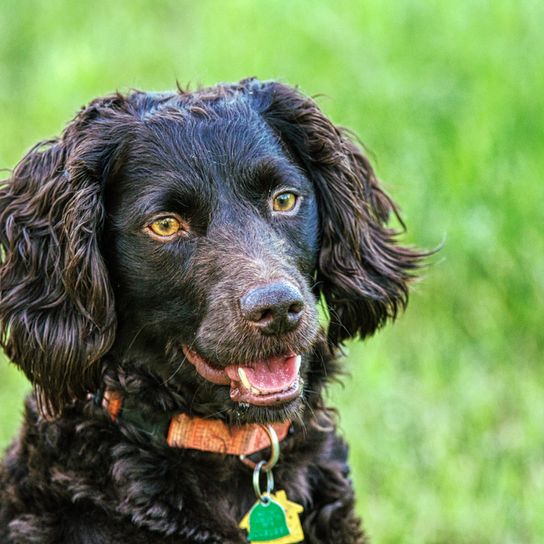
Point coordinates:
[(214, 136), (228, 145)]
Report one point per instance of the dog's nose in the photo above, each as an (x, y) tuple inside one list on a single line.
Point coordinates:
[(274, 308)]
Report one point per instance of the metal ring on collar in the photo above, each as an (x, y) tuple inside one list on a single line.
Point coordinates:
[(263, 497), (274, 451)]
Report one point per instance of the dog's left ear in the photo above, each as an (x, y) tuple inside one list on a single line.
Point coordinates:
[(362, 272)]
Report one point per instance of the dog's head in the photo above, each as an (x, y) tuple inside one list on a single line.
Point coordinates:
[(193, 234)]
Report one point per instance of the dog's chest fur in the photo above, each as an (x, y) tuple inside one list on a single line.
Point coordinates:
[(87, 479)]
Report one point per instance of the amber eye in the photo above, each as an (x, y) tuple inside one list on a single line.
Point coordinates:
[(165, 226), (284, 202)]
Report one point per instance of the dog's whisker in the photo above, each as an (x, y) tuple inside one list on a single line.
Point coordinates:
[(213, 415), (338, 321), (180, 364)]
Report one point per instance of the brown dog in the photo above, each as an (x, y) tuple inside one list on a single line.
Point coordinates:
[(162, 264)]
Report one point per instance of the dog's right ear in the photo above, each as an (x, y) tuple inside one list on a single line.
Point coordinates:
[(57, 315)]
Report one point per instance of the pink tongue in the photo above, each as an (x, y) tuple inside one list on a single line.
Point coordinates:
[(276, 374)]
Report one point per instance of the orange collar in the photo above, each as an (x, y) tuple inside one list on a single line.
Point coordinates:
[(212, 435)]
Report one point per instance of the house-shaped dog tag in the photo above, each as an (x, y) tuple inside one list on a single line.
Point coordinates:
[(275, 521)]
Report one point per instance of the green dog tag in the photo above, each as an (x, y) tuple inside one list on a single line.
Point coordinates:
[(274, 521), (267, 521)]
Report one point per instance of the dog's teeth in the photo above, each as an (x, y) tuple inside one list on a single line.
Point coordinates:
[(243, 378), (298, 361)]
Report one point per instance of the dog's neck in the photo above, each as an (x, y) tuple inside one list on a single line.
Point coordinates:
[(184, 431)]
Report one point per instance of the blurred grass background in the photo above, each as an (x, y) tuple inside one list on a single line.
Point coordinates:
[(444, 411)]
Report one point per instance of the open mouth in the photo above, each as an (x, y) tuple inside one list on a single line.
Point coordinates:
[(265, 382)]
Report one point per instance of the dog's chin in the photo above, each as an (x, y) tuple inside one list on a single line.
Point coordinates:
[(243, 413), (264, 390)]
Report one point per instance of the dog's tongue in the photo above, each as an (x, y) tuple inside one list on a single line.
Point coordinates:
[(268, 376)]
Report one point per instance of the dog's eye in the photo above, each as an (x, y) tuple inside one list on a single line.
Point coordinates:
[(166, 227), (284, 202)]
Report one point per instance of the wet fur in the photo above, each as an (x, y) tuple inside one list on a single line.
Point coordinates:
[(88, 300)]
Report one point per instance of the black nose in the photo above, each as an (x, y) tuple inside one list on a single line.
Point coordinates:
[(274, 308)]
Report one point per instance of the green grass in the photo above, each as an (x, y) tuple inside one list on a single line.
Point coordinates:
[(444, 410)]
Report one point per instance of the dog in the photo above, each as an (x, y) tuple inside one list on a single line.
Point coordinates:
[(163, 263)]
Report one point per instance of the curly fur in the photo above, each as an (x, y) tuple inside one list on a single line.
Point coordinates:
[(87, 301)]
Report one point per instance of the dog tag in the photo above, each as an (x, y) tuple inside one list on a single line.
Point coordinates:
[(275, 521)]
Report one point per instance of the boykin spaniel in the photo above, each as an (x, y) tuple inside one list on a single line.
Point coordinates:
[(162, 262)]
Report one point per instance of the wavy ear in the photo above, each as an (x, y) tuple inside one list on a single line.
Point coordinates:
[(363, 273), (56, 306)]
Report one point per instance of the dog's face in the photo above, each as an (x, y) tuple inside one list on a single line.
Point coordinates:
[(211, 242), (192, 234)]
